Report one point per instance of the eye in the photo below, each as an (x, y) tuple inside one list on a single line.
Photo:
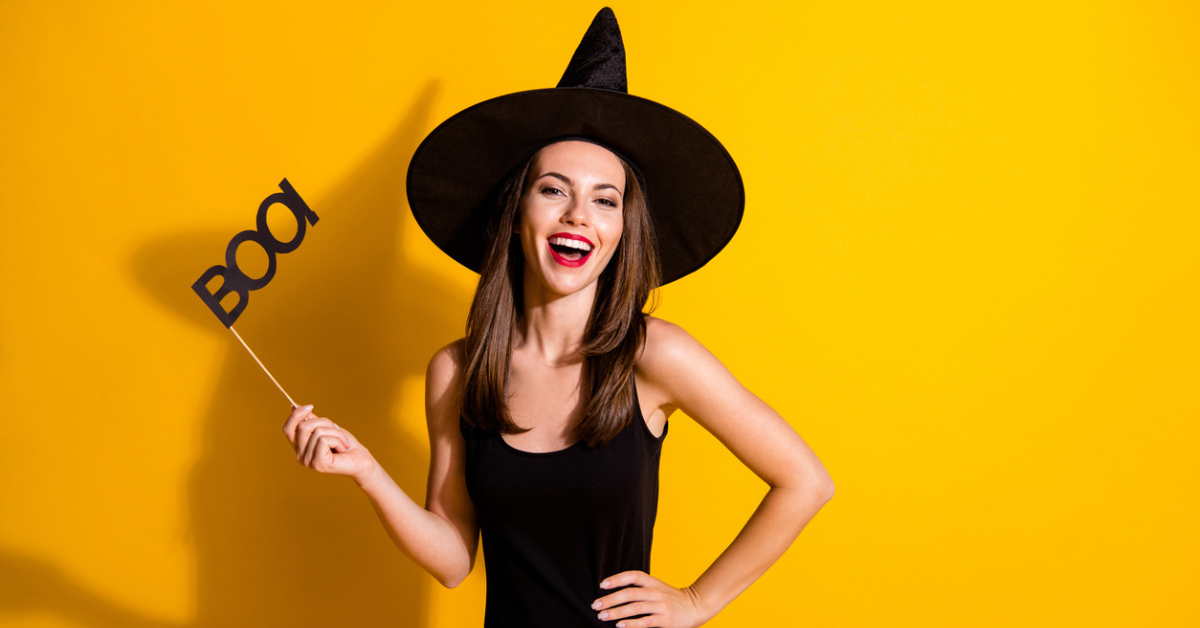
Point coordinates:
[(550, 190), (607, 201)]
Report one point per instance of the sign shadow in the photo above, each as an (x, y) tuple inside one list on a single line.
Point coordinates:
[(344, 324)]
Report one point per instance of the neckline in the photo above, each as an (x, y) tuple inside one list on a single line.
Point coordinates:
[(539, 454), (639, 417)]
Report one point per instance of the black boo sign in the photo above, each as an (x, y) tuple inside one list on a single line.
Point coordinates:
[(237, 281)]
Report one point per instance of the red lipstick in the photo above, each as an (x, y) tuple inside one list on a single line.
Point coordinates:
[(570, 263)]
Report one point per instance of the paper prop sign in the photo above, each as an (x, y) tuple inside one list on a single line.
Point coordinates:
[(234, 281)]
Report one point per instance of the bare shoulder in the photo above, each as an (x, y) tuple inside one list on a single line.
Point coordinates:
[(443, 381), (672, 362), (448, 363), (668, 347)]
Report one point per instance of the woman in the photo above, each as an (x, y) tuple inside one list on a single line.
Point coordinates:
[(546, 421)]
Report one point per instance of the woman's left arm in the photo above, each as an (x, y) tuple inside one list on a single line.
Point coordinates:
[(690, 378)]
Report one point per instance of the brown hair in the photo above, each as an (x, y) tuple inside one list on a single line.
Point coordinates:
[(615, 333)]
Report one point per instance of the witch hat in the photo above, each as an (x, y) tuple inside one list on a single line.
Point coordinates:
[(692, 186)]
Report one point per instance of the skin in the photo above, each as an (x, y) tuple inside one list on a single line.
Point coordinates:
[(575, 187)]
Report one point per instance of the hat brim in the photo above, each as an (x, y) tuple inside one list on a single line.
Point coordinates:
[(692, 186)]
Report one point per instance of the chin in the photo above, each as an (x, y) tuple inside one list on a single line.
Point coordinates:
[(565, 282), (566, 286)]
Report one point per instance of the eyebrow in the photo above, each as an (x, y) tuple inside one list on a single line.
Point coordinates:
[(565, 179)]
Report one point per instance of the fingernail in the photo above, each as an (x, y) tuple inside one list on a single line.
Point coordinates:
[(620, 624), (604, 585), (604, 615), (307, 408), (596, 605)]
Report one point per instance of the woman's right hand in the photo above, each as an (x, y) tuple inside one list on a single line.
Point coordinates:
[(323, 446)]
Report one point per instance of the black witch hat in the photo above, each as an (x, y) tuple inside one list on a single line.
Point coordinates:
[(692, 186)]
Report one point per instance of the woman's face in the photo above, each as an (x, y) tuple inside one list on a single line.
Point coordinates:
[(572, 214)]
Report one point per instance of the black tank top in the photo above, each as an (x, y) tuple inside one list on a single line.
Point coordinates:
[(556, 524)]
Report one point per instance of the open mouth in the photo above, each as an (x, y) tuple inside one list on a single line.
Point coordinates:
[(569, 251)]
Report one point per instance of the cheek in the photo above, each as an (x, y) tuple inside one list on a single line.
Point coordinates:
[(527, 224), (537, 214), (614, 231), (528, 243)]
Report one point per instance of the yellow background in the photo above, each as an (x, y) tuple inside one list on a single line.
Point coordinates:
[(967, 275)]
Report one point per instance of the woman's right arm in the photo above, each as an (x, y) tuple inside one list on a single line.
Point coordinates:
[(443, 536)]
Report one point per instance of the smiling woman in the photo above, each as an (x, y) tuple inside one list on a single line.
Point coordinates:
[(566, 192), (546, 422)]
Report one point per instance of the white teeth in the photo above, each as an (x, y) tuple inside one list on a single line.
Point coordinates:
[(575, 244)]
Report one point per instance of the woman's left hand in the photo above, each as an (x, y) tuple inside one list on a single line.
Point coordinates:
[(664, 605)]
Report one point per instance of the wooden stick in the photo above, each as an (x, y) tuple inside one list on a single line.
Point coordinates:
[(289, 397)]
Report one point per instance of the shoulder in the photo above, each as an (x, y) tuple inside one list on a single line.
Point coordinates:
[(667, 345), (670, 355), (449, 362), (443, 378)]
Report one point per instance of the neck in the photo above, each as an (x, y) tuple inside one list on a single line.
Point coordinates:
[(554, 323)]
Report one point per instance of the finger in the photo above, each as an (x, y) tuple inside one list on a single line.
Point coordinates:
[(634, 609), (314, 444), (350, 440), (624, 596), (328, 431), (324, 438), (295, 418), (328, 461), (636, 604), (304, 432), (625, 578), (324, 460), (631, 610)]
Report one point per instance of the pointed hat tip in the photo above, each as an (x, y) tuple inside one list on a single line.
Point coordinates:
[(605, 19), (599, 61)]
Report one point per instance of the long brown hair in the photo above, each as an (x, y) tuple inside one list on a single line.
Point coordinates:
[(615, 333)]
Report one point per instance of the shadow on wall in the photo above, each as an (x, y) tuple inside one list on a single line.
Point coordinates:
[(278, 545)]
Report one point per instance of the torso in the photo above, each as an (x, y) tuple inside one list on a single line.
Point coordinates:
[(581, 514), (555, 523)]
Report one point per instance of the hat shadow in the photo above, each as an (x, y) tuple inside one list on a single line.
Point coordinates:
[(345, 321)]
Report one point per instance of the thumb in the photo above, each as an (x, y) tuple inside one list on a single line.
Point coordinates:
[(339, 463)]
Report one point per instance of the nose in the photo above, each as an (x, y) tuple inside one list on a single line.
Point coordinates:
[(575, 214)]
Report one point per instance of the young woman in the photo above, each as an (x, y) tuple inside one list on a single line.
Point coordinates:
[(546, 421)]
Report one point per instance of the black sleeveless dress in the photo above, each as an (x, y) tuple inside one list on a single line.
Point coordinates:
[(556, 524)]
